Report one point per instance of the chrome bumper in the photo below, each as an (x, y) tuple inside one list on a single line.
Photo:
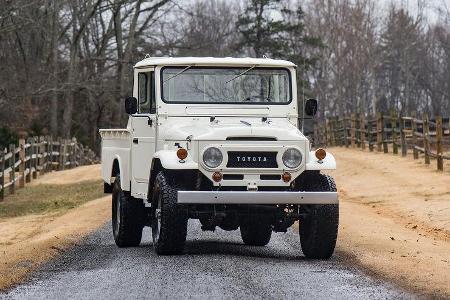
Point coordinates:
[(230, 197)]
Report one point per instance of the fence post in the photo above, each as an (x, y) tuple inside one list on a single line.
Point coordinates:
[(384, 135), (403, 136), (439, 151), (2, 176), (34, 152), (60, 156), (363, 131), (352, 130), (22, 161), (379, 132), (394, 133), (50, 154), (369, 132), (345, 131), (414, 136), (12, 173), (63, 154), (41, 155), (426, 141)]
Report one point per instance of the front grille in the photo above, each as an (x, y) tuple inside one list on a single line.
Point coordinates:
[(245, 159)]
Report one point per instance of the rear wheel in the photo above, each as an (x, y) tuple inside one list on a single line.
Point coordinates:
[(169, 220), (256, 232), (319, 228), (127, 217)]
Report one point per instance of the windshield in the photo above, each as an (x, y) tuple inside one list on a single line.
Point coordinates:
[(226, 85)]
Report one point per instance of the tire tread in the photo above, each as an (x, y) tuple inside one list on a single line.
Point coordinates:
[(173, 229)]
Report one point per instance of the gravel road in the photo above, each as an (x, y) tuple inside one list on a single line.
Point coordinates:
[(215, 265)]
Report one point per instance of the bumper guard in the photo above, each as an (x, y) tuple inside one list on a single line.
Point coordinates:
[(239, 197)]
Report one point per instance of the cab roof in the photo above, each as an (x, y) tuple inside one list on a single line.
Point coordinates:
[(213, 61)]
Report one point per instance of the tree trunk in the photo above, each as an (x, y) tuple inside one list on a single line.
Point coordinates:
[(54, 97)]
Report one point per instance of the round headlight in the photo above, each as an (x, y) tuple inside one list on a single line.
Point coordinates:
[(212, 157), (292, 158)]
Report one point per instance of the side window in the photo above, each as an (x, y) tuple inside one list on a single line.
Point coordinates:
[(146, 92)]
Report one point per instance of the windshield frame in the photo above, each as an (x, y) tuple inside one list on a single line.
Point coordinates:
[(227, 67)]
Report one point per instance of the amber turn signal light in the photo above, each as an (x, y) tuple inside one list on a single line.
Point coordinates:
[(217, 176), (321, 154), (182, 153), (286, 176)]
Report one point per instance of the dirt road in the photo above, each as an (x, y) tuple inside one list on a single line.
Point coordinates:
[(395, 219)]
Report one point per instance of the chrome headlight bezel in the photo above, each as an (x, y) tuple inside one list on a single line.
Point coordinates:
[(292, 158), (212, 157)]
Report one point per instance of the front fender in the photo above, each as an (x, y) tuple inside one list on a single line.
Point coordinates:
[(329, 163), (170, 161)]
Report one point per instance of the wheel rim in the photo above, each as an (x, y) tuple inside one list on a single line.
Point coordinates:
[(156, 222)]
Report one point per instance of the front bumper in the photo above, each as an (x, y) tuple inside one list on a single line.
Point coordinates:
[(239, 197)]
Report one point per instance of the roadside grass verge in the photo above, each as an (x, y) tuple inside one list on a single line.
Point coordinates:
[(50, 198)]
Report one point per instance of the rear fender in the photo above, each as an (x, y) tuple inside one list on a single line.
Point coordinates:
[(124, 174)]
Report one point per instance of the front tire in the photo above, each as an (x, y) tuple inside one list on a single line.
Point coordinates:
[(319, 229), (256, 232), (169, 220), (127, 217)]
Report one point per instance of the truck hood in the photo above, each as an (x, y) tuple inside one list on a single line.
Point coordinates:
[(201, 129)]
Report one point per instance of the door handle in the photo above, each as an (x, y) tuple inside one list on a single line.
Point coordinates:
[(150, 122), (135, 141)]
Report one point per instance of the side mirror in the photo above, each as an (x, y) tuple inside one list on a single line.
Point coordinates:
[(131, 105), (311, 107)]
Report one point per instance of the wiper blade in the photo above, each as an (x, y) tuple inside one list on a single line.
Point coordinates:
[(181, 72), (239, 75)]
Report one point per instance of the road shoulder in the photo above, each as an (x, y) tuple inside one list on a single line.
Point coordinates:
[(38, 238), (394, 219)]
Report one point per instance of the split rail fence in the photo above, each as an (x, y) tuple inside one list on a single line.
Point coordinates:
[(21, 164), (426, 137)]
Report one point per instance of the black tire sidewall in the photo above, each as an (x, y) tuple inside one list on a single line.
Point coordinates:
[(127, 232), (319, 229), (173, 225)]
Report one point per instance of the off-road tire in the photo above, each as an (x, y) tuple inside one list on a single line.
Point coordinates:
[(256, 232), (128, 231), (319, 228), (172, 233)]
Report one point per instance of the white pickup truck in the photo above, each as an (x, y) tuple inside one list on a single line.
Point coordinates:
[(217, 139)]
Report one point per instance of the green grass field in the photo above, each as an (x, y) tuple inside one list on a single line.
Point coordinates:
[(49, 198)]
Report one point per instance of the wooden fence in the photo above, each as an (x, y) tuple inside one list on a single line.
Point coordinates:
[(425, 136), (20, 164)]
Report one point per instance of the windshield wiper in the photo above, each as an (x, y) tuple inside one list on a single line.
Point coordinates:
[(181, 72), (239, 75)]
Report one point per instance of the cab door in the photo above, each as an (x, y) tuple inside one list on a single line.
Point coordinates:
[(143, 125)]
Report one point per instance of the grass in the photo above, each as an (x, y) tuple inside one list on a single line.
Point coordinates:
[(50, 198)]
